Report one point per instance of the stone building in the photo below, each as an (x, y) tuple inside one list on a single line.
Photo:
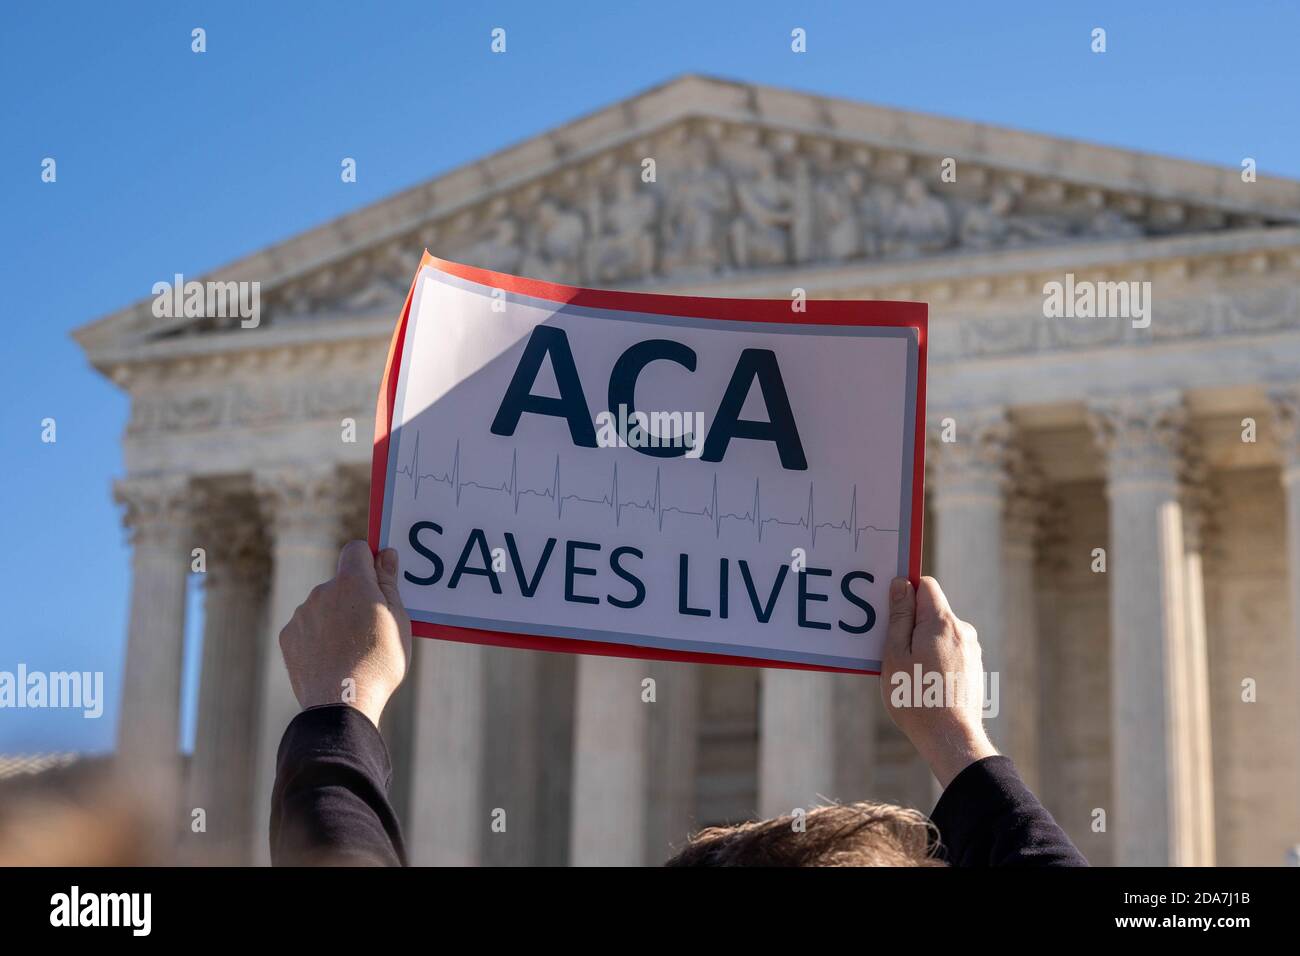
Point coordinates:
[(1118, 510)]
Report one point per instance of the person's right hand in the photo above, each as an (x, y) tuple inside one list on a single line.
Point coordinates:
[(923, 630)]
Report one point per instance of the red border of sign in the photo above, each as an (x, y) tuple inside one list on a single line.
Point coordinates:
[(820, 312)]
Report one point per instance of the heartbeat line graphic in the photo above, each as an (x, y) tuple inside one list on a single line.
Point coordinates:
[(612, 500)]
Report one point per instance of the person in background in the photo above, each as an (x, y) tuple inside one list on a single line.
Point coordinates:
[(348, 647)]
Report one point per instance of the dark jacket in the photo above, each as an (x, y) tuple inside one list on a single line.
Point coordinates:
[(330, 804), (988, 817)]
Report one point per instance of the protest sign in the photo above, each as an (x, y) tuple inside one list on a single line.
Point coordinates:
[(681, 478)]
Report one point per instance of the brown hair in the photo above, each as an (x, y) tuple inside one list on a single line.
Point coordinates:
[(80, 814), (854, 834)]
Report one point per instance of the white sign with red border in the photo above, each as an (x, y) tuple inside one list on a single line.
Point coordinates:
[(681, 478)]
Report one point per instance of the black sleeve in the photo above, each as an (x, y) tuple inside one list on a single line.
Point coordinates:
[(330, 803), (988, 817)]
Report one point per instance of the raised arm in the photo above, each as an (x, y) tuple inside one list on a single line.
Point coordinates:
[(986, 816), (347, 649)]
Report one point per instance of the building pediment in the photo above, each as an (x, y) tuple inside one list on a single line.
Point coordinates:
[(704, 180)]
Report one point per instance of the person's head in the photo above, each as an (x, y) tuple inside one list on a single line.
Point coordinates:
[(854, 834), (81, 814)]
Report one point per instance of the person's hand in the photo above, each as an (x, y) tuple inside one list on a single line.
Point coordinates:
[(350, 641), (923, 631)]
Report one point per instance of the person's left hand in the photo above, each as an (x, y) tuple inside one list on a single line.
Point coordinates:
[(350, 641)]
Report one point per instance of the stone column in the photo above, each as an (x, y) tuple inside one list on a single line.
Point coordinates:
[(817, 739), (1198, 795), (1285, 403), (796, 755), (610, 760), (397, 726), (971, 452), (157, 516), (1019, 685), (1143, 440), (448, 814), (512, 774), (557, 684), (304, 507), (857, 709), (674, 729), (234, 621)]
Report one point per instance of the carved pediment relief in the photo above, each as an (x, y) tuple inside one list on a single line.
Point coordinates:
[(725, 200), (708, 197)]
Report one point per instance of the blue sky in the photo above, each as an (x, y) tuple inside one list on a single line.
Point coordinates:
[(171, 161)]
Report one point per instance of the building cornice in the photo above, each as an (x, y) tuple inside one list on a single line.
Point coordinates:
[(955, 286)]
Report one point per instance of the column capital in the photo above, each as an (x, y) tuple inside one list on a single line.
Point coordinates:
[(303, 499), (1199, 503), (1054, 538), (1024, 508), (1284, 403), (230, 530), (1143, 436), (971, 453), (159, 508)]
